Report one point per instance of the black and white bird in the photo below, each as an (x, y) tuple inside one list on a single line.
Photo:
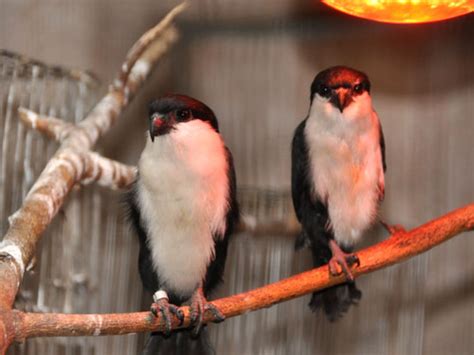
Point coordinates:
[(183, 207), (338, 165)]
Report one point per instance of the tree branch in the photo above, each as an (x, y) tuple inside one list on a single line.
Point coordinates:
[(393, 250), (52, 127), (107, 172), (144, 43), (105, 113)]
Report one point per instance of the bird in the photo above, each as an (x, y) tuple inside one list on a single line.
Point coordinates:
[(183, 208), (337, 178)]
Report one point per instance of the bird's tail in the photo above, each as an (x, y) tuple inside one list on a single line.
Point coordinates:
[(335, 300), (179, 342)]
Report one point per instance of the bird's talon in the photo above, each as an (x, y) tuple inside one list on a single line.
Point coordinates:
[(357, 262), (193, 315), (342, 263), (335, 267), (196, 320), (154, 309), (348, 274), (343, 260), (353, 259), (166, 309), (199, 306), (216, 313), (195, 332), (177, 312)]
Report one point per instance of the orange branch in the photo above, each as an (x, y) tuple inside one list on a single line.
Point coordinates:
[(393, 250)]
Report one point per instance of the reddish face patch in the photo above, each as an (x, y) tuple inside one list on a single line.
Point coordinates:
[(160, 125), (158, 122), (331, 81), (343, 78)]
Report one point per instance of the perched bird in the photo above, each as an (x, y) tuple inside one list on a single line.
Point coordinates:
[(183, 207), (338, 165)]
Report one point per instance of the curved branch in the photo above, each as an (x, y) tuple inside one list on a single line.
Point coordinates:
[(105, 113), (52, 127), (393, 250), (107, 172), (144, 43)]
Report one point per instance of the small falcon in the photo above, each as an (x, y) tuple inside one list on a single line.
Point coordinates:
[(183, 207), (338, 165)]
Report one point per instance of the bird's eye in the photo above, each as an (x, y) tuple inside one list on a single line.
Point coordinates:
[(358, 89), (324, 91), (183, 115)]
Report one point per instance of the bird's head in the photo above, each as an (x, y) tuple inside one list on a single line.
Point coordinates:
[(169, 111), (339, 87)]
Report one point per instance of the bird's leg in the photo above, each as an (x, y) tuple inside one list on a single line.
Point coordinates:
[(199, 306), (341, 260), (161, 305), (393, 229)]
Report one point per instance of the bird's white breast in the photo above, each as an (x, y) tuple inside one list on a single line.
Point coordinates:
[(345, 164), (183, 196)]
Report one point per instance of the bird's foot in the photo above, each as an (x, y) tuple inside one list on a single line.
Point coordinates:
[(162, 307), (393, 229), (198, 306), (341, 262)]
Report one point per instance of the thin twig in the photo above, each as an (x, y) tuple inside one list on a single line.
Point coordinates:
[(108, 172), (144, 42), (395, 249), (52, 127)]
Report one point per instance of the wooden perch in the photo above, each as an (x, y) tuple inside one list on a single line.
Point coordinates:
[(395, 249), (74, 163)]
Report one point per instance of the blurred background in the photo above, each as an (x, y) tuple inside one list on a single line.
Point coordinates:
[(253, 63)]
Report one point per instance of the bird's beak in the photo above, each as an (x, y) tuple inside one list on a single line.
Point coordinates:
[(157, 122), (341, 98)]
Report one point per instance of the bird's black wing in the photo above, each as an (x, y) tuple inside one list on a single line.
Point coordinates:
[(310, 211), (216, 267), (382, 147), (299, 171), (145, 264)]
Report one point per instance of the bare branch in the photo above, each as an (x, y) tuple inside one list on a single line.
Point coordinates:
[(107, 172), (52, 127), (395, 249), (105, 113), (144, 43)]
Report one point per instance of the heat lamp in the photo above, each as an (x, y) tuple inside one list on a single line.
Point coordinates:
[(403, 11)]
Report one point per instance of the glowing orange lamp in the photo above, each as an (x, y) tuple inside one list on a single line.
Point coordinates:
[(403, 11)]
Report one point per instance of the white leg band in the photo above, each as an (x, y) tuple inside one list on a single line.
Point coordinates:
[(160, 294)]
